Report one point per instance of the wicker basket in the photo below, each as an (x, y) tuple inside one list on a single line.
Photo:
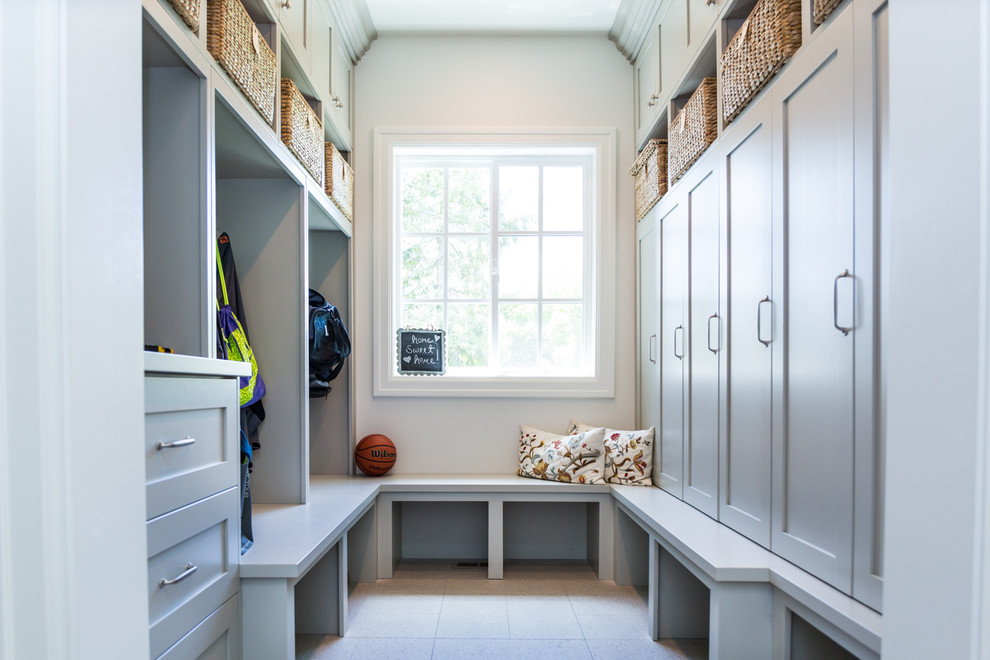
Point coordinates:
[(340, 181), (235, 42), (189, 11), (302, 130), (823, 9), (650, 170), (762, 45), (693, 129)]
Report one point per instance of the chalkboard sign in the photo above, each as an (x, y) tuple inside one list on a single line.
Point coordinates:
[(420, 352)]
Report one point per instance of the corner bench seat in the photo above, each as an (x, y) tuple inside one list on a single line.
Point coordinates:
[(294, 578), (745, 580)]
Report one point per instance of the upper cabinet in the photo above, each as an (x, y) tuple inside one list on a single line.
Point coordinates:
[(648, 104), (341, 70), (292, 16)]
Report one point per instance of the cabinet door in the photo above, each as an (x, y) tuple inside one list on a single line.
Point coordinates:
[(340, 87), (648, 294), (813, 364), (704, 346), (321, 47), (674, 349), (673, 46), (292, 17), (647, 85), (745, 456), (701, 18)]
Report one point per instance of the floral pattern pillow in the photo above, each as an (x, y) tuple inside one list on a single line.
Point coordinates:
[(628, 454), (577, 458)]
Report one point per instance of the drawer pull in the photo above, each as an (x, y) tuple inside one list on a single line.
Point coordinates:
[(190, 569), (185, 442)]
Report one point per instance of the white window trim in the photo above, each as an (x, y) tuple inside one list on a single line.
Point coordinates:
[(602, 383)]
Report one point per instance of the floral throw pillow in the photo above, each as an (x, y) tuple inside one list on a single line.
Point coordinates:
[(628, 454), (578, 458)]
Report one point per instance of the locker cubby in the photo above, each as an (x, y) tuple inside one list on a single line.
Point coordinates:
[(549, 531), (440, 530), (329, 264), (262, 208), (177, 287), (806, 642)]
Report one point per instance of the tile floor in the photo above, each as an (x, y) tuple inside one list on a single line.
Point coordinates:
[(537, 611)]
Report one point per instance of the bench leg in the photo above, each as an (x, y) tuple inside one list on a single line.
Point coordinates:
[(268, 618), (653, 590), (605, 555), (389, 537), (496, 542), (741, 621)]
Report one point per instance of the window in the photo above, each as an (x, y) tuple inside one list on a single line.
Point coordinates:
[(502, 244)]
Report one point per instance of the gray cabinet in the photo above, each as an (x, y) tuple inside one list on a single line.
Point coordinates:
[(775, 249), (744, 495), (701, 437), (674, 345), (648, 305), (193, 502), (647, 85), (813, 437)]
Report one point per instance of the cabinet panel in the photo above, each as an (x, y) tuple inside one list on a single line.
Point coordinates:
[(190, 440), (813, 449), (701, 18), (648, 261), (701, 448), (292, 16), (321, 49), (673, 46), (218, 637), (647, 85), (196, 547), (674, 346), (745, 455), (340, 84)]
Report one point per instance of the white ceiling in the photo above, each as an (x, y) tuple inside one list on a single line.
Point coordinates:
[(396, 16)]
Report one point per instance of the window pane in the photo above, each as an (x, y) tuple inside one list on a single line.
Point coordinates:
[(468, 332), (422, 199), (422, 315), (518, 198), (469, 270), (517, 334), (422, 268), (562, 336), (563, 266), (563, 199), (470, 194), (518, 267)]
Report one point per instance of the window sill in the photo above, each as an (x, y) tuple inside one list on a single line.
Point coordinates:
[(498, 388)]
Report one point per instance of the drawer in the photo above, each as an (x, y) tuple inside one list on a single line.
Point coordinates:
[(196, 548), (190, 440), (218, 637)]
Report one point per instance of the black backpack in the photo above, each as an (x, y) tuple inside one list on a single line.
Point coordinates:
[(328, 344)]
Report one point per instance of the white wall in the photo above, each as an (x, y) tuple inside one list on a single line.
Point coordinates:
[(488, 82), (73, 571), (934, 549)]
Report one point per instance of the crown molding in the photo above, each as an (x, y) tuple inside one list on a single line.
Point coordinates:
[(632, 23), (356, 27)]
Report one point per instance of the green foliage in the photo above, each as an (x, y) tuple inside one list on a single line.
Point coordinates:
[(422, 199)]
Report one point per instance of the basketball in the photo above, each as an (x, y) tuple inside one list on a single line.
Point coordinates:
[(374, 454)]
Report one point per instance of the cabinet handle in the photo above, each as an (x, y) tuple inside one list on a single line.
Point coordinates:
[(653, 349), (759, 322), (718, 328), (190, 569), (681, 328), (710, 3), (835, 303), (177, 443), (286, 4), (653, 100)]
